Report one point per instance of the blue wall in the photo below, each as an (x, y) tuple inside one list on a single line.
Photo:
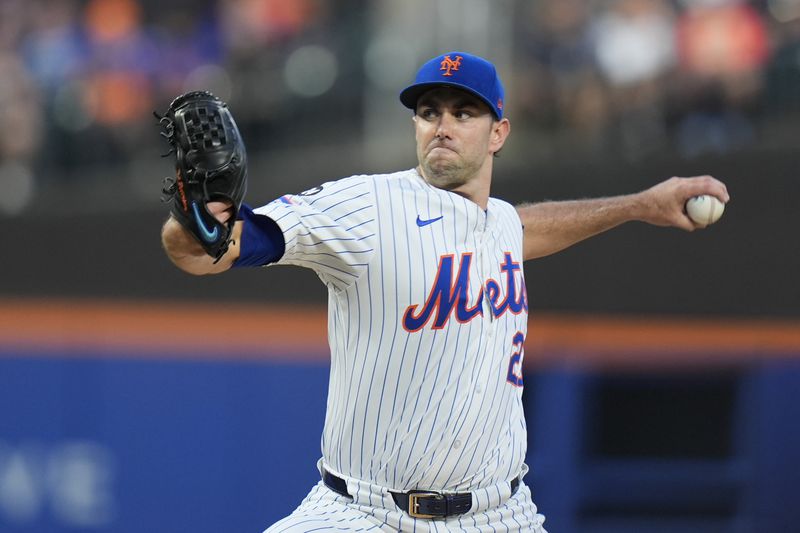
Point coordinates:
[(714, 449), (131, 445), (90, 442)]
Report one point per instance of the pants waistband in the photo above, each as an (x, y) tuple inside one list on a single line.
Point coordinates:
[(418, 503)]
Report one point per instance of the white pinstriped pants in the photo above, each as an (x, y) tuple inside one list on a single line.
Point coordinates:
[(323, 510)]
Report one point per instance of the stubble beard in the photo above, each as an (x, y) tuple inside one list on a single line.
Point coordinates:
[(446, 174)]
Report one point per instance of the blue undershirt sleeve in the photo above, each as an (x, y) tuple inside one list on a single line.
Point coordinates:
[(262, 240)]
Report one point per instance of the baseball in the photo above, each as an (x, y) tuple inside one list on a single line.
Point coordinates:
[(705, 209)]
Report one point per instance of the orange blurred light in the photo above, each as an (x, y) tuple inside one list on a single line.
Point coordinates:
[(724, 40), (111, 20), (119, 97)]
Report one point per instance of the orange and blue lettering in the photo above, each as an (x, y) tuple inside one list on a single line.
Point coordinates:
[(514, 375), (449, 296), (516, 303), (446, 296)]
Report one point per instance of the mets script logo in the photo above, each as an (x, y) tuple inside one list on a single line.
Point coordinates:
[(448, 65), (449, 294)]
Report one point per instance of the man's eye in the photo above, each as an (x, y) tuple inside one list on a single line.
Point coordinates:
[(462, 115), (427, 113)]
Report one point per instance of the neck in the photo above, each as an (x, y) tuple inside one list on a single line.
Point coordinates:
[(477, 192)]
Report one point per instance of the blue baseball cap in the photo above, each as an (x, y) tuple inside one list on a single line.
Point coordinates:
[(462, 71)]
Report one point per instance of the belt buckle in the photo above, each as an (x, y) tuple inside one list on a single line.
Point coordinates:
[(413, 503)]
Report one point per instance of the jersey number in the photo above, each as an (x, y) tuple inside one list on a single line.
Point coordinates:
[(515, 364)]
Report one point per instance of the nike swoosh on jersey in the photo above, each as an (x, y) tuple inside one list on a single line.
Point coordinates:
[(207, 234), (422, 223)]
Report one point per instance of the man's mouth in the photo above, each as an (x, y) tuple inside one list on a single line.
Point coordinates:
[(441, 147)]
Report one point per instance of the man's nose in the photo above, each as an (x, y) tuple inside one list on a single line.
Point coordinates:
[(443, 127)]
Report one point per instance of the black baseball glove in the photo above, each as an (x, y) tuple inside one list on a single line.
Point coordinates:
[(210, 164)]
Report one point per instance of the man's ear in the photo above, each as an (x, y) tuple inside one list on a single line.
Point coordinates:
[(500, 131)]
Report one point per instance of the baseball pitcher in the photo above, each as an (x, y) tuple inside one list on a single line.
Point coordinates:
[(428, 311)]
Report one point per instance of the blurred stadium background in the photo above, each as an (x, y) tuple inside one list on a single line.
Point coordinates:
[(661, 367)]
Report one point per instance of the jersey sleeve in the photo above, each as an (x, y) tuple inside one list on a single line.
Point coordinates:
[(329, 229)]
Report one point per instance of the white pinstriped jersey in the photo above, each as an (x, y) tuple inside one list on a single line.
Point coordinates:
[(426, 323)]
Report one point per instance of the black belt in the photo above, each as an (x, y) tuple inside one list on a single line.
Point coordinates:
[(419, 503)]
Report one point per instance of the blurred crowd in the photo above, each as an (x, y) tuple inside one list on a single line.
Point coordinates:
[(79, 78), (639, 76)]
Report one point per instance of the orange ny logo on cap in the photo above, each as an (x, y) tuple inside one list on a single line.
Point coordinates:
[(448, 65)]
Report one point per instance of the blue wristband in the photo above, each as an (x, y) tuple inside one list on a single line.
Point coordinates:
[(262, 240)]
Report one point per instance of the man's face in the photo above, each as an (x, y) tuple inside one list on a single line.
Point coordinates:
[(455, 135)]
